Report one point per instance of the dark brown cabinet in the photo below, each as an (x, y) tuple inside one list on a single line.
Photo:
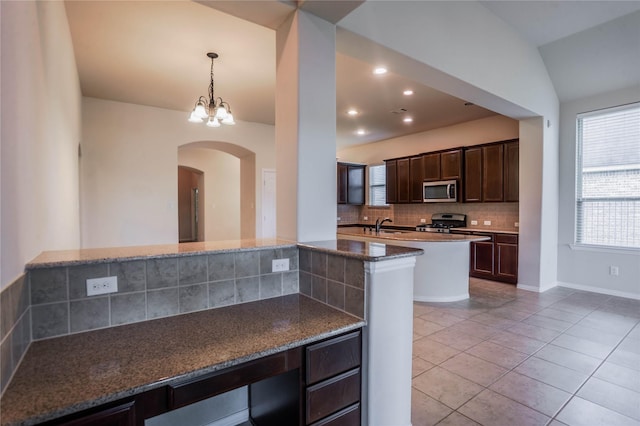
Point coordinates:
[(491, 172), (403, 180), (350, 183), (495, 259), (392, 181), (511, 171), (451, 164), (120, 415), (431, 163), (416, 170)]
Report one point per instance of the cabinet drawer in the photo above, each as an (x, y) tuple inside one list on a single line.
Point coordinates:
[(326, 359), (332, 395), (506, 239), (350, 416)]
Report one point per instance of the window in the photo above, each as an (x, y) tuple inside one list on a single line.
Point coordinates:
[(608, 177), (377, 185)]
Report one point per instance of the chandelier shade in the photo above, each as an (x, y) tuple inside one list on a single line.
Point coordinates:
[(214, 110)]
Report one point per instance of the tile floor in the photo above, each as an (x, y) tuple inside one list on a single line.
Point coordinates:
[(517, 358)]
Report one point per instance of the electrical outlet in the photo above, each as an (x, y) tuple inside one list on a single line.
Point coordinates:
[(423, 220), (279, 265), (365, 218), (487, 222), (474, 222), (517, 224), (614, 271), (338, 218), (102, 285)]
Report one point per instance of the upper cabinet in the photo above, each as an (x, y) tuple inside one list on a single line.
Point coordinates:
[(350, 183), (491, 172)]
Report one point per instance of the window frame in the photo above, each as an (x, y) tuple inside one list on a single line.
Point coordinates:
[(370, 186), (580, 200)]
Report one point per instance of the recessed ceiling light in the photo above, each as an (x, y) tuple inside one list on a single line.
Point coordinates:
[(360, 132), (380, 70), (352, 112), (407, 119), (408, 92)]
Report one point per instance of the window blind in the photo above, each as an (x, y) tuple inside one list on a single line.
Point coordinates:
[(377, 185), (608, 177)]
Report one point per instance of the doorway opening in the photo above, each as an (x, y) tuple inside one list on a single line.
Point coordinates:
[(190, 205)]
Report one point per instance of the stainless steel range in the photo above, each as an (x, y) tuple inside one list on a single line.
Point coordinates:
[(443, 222)]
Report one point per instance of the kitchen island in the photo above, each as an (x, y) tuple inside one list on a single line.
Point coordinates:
[(442, 273)]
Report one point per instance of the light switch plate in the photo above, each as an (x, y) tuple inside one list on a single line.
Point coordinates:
[(279, 265)]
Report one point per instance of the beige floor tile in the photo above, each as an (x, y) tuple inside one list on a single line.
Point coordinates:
[(420, 309), (491, 408), (423, 327), (534, 332), (442, 318), (455, 339), (426, 411), (504, 357), (494, 321), (587, 347), (475, 369), (568, 358), (552, 374), (560, 315), (446, 387), (580, 412), (594, 335), (511, 313), (619, 375), (546, 322), (613, 397), (432, 351), (475, 329), (625, 357), (532, 393), (457, 419), (419, 366), (517, 342)]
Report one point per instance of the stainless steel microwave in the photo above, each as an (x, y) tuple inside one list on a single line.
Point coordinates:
[(444, 191)]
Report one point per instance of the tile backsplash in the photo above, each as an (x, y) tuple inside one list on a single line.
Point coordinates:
[(502, 215), (154, 288), (15, 327)]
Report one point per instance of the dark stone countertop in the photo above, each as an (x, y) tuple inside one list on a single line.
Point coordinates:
[(67, 374), (362, 250)]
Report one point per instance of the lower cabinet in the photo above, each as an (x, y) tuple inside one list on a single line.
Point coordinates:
[(314, 385), (495, 259)]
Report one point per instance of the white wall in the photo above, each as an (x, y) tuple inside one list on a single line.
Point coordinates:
[(491, 129), (221, 192), (129, 169), (582, 268), (461, 48), (40, 134)]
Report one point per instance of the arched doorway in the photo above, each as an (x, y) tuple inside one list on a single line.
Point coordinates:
[(228, 199)]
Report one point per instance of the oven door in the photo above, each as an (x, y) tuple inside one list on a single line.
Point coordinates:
[(440, 192)]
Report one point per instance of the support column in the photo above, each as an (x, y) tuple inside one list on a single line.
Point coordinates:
[(306, 129)]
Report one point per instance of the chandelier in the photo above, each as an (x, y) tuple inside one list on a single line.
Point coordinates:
[(217, 111)]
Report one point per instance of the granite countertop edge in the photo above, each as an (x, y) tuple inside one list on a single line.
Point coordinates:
[(408, 227), (85, 405), (400, 251), (104, 257)]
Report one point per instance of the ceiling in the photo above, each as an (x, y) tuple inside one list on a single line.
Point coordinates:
[(154, 53)]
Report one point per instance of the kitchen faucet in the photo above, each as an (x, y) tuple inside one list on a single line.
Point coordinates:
[(380, 222)]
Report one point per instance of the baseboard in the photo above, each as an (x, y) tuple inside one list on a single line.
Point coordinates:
[(600, 290), (536, 289), (441, 299), (232, 420)]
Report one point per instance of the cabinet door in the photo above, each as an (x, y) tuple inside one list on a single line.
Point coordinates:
[(355, 185), (431, 166), (493, 173), (415, 172), (392, 181), (342, 170), (473, 174), (511, 171), (403, 180), (482, 259), (451, 164), (506, 258)]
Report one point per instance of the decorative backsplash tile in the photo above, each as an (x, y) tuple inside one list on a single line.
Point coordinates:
[(15, 327), (334, 280), (155, 288)]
